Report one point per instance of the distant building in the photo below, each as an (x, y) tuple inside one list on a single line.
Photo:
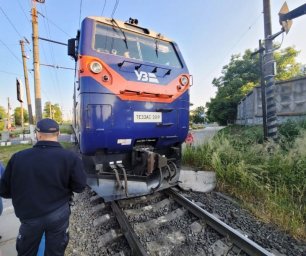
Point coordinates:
[(290, 99)]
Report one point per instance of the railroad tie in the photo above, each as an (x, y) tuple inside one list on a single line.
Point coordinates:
[(148, 225), (98, 207), (101, 220), (148, 208), (109, 237)]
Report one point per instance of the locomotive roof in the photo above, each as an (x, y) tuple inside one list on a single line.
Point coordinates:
[(130, 27)]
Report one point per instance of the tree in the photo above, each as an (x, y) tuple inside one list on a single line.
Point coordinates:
[(197, 115), (17, 115), (53, 111), (240, 76), (286, 65), (3, 116)]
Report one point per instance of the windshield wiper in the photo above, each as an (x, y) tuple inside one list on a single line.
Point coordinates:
[(156, 47), (156, 44), (125, 39)]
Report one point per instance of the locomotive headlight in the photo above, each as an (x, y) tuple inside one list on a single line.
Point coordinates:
[(95, 67), (184, 80)]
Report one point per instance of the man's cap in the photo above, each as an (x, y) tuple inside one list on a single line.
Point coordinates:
[(47, 125)]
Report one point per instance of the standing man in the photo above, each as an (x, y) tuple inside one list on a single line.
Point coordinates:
[(40, 181)]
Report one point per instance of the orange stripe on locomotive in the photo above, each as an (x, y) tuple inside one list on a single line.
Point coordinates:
[(133, 90)]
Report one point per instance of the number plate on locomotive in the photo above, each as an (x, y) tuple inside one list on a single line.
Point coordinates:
[(147, 117)]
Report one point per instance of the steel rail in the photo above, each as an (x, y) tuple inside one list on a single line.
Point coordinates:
[(236, 237), (130, 235)]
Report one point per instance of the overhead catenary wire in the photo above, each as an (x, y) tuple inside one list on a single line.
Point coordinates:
[(56, 66), (235, 44), (80, 15), (115, 8), (103, 8), (12, 24), (58, 27), (28, 19), (52, 56), (11, 52), (10, 73)]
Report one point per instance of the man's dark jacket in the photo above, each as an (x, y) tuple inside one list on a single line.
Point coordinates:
[(41, 179)]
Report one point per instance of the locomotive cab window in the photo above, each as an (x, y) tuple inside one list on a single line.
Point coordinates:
[(112, 40)]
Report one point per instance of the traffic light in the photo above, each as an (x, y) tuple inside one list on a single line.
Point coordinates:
[(19, 90)]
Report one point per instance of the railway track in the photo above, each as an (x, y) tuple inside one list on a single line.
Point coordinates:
[(167, 223)]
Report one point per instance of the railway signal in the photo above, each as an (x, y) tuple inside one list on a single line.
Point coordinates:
[(19, 90), (286, 16), (20, 99), (285, 19)]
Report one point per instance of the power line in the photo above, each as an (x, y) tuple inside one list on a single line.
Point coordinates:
[(10, 73), (81, 2), (236, 43), (10, 22), (50, 21), (57, 87), (55, 66), (23, 11), (103, 8), (115, 8), (11, 52)]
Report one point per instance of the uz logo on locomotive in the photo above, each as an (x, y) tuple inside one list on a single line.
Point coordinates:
[(146, 77)]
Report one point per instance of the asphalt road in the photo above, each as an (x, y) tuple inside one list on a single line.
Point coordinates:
[(201, 136)]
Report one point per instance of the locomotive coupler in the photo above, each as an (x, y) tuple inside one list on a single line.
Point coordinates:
[(114, 169), (121, 167)]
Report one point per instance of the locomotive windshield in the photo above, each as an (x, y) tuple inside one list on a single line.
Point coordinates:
[(120, 42)]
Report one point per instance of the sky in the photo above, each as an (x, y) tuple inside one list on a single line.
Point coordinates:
[(207, 33)]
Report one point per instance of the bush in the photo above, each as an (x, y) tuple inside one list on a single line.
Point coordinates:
[(266, 176), (289, 130)]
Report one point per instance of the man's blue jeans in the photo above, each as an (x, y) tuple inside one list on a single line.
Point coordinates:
[(55, 225)]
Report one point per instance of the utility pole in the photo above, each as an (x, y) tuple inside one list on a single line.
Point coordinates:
[(21, 115), (26, 81), (263, 91), (8, 115), (38, 109), (269, 73)]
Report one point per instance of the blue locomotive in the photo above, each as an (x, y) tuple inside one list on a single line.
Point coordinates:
[(131, 107)]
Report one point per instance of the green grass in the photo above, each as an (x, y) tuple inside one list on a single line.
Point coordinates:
[(66, 128), (269, 177), (8, 151)]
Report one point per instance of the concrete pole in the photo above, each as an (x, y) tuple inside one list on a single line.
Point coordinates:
[(26, 81), (8, 115), (38, 109), (269, 73), (263, 92)]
